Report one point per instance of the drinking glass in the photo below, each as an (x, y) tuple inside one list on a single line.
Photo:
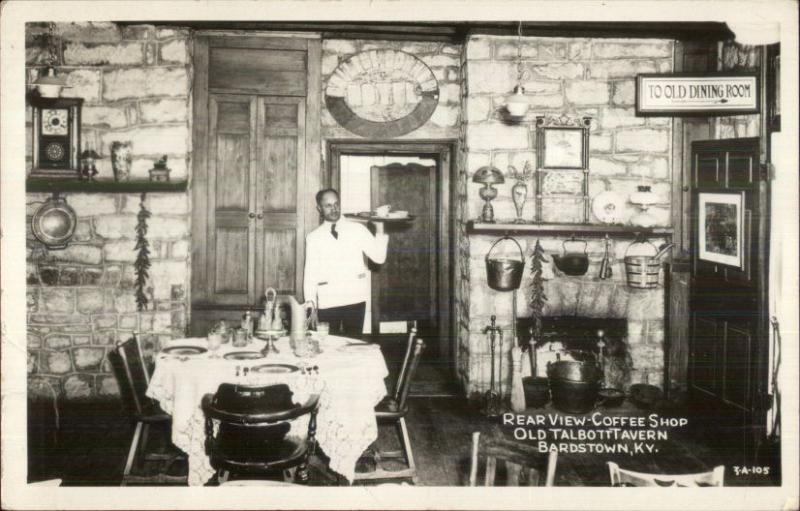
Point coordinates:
[(323, 329), (214, 343)]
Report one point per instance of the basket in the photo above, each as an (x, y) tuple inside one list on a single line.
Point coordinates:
[(642, 271), (504, 274)]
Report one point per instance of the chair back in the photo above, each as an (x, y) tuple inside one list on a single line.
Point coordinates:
[(132, 374), (412, 334), (415, 349), (622, 477), (253, 405), (522, 463)]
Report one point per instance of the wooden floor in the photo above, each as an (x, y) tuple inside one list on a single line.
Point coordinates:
[(90, 446)]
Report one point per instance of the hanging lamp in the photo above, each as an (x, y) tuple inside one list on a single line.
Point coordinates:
[(49, 84), (517, 103)]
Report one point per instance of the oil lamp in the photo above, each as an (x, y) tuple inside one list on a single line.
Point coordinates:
[(488, 176)]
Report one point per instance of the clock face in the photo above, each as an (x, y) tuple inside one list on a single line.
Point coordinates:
[(55, 121)]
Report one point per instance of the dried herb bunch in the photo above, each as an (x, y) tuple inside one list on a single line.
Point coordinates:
[(142, 263), (537, 292)]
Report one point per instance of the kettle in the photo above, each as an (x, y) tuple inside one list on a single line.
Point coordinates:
[(572, 263)]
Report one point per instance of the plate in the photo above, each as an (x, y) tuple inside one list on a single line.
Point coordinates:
[(243, 355), (608, 207), (184, 350), (274, 369), (366, 216)]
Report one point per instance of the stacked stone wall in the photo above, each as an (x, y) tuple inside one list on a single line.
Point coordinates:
[(135, 82)]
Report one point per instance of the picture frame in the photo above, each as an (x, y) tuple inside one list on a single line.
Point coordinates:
[(721, 228), (562, 144)]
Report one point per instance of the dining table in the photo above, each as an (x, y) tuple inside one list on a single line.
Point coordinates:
[(346, 374)]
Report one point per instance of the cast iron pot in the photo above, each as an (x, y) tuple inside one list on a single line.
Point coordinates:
[(611, 398), (574, 396), (574, 370), (537, 391), (572, 263)]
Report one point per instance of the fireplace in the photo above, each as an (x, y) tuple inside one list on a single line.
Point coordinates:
[(576, 337)]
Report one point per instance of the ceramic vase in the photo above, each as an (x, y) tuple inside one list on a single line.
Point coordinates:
[(121, 160), (519, 194)]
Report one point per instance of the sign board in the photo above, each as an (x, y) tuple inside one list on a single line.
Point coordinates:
[(696, 94)]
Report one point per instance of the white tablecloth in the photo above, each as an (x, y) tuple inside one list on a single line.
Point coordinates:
[(350, 382)]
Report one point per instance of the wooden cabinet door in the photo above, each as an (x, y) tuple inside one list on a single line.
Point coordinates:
[(231, 199), (280, 152), (728, 342)]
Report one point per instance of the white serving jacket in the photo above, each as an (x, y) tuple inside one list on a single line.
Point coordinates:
[(335, 269)]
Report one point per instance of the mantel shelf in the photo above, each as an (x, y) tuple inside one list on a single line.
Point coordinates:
[(76, 186), (618, 231)]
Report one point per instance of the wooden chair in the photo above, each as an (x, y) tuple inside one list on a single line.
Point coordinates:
[(247, 431), (622, 477), (392, 410), (523, 463), (133, 378)]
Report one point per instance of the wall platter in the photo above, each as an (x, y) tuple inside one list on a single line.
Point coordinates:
[(382, 93), (54, 223)]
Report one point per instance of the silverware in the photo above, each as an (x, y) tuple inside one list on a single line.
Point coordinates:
[(246, 370), (238, 368)]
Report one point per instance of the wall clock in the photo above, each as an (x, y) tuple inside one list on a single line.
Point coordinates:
[(382, 93), (56, 136)]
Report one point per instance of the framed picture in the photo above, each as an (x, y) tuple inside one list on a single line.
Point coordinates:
[(721, 229), (562, 144)]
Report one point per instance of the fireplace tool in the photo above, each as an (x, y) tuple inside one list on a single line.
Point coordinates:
[(492, 406)]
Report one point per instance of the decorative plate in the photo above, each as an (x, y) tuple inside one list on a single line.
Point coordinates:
[(243, 355), (274, 369), (382, 93), (184, 350), (608, 207)]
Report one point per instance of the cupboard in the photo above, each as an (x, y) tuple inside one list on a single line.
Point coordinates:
[(256, 167)]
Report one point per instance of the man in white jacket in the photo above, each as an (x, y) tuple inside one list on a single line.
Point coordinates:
[(336, 271)]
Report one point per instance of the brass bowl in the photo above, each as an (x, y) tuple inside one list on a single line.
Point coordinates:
[(54, 223)]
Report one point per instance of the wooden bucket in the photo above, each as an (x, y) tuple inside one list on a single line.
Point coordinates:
[(641, 270)]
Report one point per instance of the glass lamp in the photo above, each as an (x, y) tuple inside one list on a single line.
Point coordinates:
[(488, 176), (643, 198)]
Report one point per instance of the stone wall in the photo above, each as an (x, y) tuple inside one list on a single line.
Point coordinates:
[(135, 82), (576, 78), (745, 59), (442, 59)]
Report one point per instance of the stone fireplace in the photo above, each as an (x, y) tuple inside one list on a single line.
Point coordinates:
[(587, 296)]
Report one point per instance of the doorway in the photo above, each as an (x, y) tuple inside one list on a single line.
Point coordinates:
[(413, 285)]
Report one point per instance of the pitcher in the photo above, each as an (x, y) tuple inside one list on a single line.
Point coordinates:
[(300, 318)]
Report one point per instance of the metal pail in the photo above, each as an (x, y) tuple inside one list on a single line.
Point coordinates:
[(504, 274)]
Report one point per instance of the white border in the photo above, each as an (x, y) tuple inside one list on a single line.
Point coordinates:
[(17, 495), (734, 199)]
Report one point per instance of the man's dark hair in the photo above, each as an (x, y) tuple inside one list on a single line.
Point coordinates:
[(321, 193)]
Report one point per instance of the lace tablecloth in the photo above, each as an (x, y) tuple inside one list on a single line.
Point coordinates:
[(349, 381)]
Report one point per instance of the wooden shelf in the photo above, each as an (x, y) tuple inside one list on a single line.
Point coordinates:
[(73, 185), (616, 231)]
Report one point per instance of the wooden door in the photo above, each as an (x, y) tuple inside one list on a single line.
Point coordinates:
[(280, 194), (231, 199), (729, 343), (404, 287)]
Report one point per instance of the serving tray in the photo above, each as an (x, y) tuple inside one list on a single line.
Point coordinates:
[(366, 216), (184, 350), (243, 355), (274, 369)]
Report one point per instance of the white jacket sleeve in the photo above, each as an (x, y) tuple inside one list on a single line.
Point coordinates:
[(311, 271), (374, 247)]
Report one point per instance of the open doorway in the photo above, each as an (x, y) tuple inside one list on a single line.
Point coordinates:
[(413, 285)]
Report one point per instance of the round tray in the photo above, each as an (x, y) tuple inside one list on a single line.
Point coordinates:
[(274, 369), (184, 350), (243, 355), (371, 217)]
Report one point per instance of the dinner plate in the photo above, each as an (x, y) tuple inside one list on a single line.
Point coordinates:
[(184, 350), (608, 207), (243, 355), (366, 216), (274, 369)]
